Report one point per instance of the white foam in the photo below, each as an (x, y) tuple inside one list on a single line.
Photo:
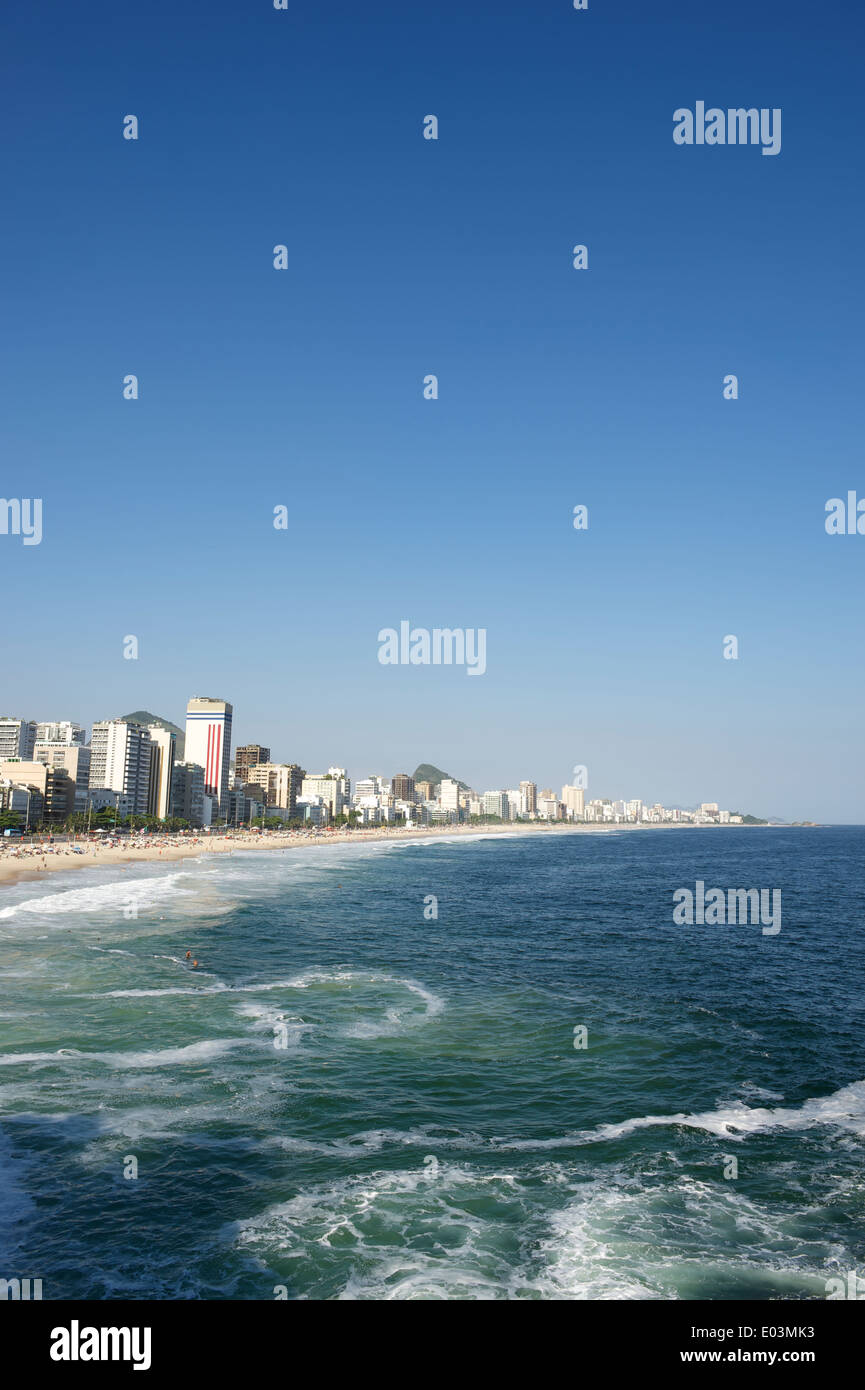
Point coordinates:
[(388, 1222), (395, 1019), (844, 1109), (104, 897), (162, 1057)]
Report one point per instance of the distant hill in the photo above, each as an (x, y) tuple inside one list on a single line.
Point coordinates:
[(143, 716), (426, 772)]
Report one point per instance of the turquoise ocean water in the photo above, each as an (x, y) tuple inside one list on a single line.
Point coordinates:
[(350, 1099)]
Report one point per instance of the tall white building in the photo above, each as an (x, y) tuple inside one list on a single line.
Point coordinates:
[(17, 737), (368, 787), (208, 743), (496, 804), (120, 761), (449, 796)]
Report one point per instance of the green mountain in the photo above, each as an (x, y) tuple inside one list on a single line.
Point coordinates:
[(426, 772), (143, 716)]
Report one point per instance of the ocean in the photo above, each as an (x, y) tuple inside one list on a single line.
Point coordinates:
[(373, 1086)]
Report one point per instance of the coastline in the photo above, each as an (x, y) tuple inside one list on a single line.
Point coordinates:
[(29, 864)]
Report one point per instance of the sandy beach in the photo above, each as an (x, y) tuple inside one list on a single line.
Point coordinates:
[(21, 862)]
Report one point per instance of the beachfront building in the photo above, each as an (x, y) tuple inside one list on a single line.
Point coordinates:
[(187, 792), (61, 731), (17, 737), (245, 803), (54, 786), (120, 761), (368, 787), (71, 758), (163, 750), (574, 801), (402, 787), (315, 810), (528, 798), (208, 743), (449, 798), (22, 801), (496, 804), (424, 791), (334, 788), (250, 755), (280, 783), (104, 799)]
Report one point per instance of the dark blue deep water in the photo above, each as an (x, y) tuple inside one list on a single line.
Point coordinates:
[(350, 1099)]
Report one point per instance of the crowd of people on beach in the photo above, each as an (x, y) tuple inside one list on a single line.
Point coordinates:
[(92, 846)]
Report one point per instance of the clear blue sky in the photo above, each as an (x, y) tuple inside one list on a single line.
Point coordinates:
[(557, 387)]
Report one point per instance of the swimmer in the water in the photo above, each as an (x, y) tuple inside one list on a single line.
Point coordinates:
[(189, 955), (194, 964)]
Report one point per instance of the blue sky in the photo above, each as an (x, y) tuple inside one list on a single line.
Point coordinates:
[(557, 387)]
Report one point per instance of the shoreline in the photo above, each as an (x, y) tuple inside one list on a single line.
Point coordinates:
[(29, 865)]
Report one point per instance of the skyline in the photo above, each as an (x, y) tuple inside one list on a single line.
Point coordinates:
[(209, 717), (303, 389)]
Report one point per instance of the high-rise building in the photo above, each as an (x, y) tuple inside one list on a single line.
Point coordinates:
[(449, 796), (280, 783), (61, 731), (496, 804), (163, 746), (250, 755), (187, 792), (529, 798), (71, 758), (424, 791), (120, 761), (402, 787), (17, 737), (208, 743), (334, 787), (368, 787), (574, 799)]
